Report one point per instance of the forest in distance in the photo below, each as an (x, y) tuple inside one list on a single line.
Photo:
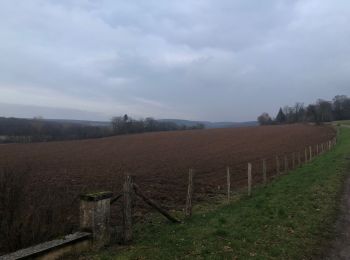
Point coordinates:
[(18, 130), (321, 111)]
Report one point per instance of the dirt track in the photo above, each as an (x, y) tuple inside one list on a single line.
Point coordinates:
[(60, 171), (340, 246)]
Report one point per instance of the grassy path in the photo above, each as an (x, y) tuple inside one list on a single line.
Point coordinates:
[(292, 218)]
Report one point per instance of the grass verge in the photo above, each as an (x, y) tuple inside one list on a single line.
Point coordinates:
[(292, 218), (341, 122)]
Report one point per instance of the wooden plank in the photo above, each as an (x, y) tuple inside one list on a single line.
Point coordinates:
[(188, 211), (153, 204), (79, 241)]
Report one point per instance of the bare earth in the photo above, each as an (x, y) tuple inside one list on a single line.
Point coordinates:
[(47, 194)]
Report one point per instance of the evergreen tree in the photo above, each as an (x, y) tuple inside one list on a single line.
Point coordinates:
[(281, 117)]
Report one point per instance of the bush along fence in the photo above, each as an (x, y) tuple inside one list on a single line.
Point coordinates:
[(95, 209)]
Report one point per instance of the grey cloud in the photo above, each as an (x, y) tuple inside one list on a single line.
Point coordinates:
[(207, 60)]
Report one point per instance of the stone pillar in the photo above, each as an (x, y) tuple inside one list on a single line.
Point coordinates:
[(95, 217)]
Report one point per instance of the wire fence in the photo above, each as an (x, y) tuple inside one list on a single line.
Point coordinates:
[(235, 179), (189, 189)]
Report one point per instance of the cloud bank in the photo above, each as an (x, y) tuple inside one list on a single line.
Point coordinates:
[(190, 59)]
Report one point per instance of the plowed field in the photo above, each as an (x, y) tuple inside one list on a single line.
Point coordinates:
[(54, 174)]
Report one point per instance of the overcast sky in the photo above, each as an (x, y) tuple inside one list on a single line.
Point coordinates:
[(192, 59)]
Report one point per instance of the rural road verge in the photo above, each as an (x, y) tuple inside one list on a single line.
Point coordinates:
[(340, 247)]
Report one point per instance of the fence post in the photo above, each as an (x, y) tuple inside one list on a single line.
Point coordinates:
[(293, 165), (264, 172), (188, 211), (277, 165), (299, 159), (95, 217), (305, 155), (285, 164), (127, 207), (317, 153), (228, 183), (249, 179), (310, 150)]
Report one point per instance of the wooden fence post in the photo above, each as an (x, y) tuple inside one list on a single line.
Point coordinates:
[(310, 150), (305, 155), (293, 165), (127, 207), (264, 172), (249, 179), (228, 183), (299, 159), (285, 164), (277, 165), (188, 211)]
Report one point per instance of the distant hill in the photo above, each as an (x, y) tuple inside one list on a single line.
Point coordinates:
[(80, 122), (179, 122), (208, 124)]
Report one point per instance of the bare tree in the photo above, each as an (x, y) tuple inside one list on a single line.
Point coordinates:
[(264, 119)]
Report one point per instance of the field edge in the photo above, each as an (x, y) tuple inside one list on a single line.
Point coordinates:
[(296, 222)]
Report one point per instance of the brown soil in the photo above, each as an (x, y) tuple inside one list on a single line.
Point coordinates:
[(60, 171)]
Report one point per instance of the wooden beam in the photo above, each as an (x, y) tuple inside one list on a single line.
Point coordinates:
[(153, 204)]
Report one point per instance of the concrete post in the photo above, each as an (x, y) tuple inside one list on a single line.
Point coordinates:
[(95, 217)]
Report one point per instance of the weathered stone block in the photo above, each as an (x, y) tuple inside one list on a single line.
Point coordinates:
[(95, 217)]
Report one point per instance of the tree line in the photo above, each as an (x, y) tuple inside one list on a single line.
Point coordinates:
[(127, 125), (40, 130), (320, 111)]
